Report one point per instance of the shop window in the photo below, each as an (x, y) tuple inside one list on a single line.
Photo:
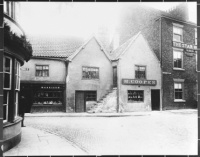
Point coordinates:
[(178, 59), (90, 73), (17, 76), (135, 96), (7, 72), (42, 71), (178, 91), (177, 33), (140, 72), (5, 105), (91, 96), (48, 95)]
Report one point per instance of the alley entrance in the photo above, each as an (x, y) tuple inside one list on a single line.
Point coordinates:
[(155, 99), (81, 97)]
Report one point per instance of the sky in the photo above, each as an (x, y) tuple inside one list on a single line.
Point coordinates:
[(77, 19)]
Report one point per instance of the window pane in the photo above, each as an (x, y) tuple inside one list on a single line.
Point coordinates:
[(5, 97), (177, 30), (7, 65), (177, 37), (140, 72), (39, 67), (4, 112), (90, 73), (6, 80), (135, 96)]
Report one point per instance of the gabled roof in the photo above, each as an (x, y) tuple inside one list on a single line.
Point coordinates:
[(61, 47), (70, 58), (116, 54)]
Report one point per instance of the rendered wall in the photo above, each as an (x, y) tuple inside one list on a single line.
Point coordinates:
[(139, 53), (93, 56)]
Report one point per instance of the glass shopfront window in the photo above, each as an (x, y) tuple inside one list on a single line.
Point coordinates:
[(135, 96)]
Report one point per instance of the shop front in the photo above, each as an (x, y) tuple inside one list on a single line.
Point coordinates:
[(44, 97), (140, 95)]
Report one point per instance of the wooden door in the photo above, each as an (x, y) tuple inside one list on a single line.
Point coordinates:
[(155, 99), (79, 101)]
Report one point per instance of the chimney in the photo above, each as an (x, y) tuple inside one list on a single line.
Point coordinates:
[(180, 12)]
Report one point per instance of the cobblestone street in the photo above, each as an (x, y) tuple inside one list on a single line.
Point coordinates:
[(158, 133)]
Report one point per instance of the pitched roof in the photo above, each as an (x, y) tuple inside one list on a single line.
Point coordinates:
[(61, 47), (115, 54), (84, 44)]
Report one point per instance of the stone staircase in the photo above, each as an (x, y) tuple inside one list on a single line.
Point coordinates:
[(107, 104)]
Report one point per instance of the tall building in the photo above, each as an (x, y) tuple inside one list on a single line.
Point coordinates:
[(17, 50)]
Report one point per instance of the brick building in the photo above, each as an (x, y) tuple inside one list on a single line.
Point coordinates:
[(173, 38)]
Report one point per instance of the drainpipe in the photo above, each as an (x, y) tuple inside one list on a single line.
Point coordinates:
[(161, 66), (118, 84), (65, 92)]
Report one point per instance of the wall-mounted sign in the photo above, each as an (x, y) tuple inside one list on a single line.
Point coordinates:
[(188, 47), (139, 82)]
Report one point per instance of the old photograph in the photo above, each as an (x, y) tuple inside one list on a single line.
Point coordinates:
[(100, 78)]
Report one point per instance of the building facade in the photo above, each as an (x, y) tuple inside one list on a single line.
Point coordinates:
[(16, 51), (43, 83), (173, 38), (138, 75), (89, 76)]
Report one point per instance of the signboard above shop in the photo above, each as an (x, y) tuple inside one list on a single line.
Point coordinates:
[(188, 47), (139, 82)]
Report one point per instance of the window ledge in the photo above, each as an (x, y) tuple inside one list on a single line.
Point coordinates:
[(179, 100), (179, 69), (178, 42)]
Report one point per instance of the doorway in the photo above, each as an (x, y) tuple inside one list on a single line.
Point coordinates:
[(81, 97), (114, 77), (155, 99)]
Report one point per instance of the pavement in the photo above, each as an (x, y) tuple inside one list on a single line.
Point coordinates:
[(37, 142), (85, 114)]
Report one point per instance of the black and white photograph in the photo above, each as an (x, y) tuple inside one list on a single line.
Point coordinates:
[(100, 78)]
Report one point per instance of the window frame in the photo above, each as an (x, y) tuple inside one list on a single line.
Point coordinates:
[(91, 78), (178, 26), (145, 71), (131, 101), (89, 93), (7, 102), (178, 50), (17, 75), (16, 104), (179, 81), (10, 73), (41, 70)]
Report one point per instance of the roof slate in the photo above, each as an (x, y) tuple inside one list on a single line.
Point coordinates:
[(115, 54), (61, 47)]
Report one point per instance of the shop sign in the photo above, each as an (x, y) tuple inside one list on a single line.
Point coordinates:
[(188, 47), (139, 82)]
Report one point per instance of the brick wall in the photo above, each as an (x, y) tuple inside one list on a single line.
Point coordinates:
[(189, 64)]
